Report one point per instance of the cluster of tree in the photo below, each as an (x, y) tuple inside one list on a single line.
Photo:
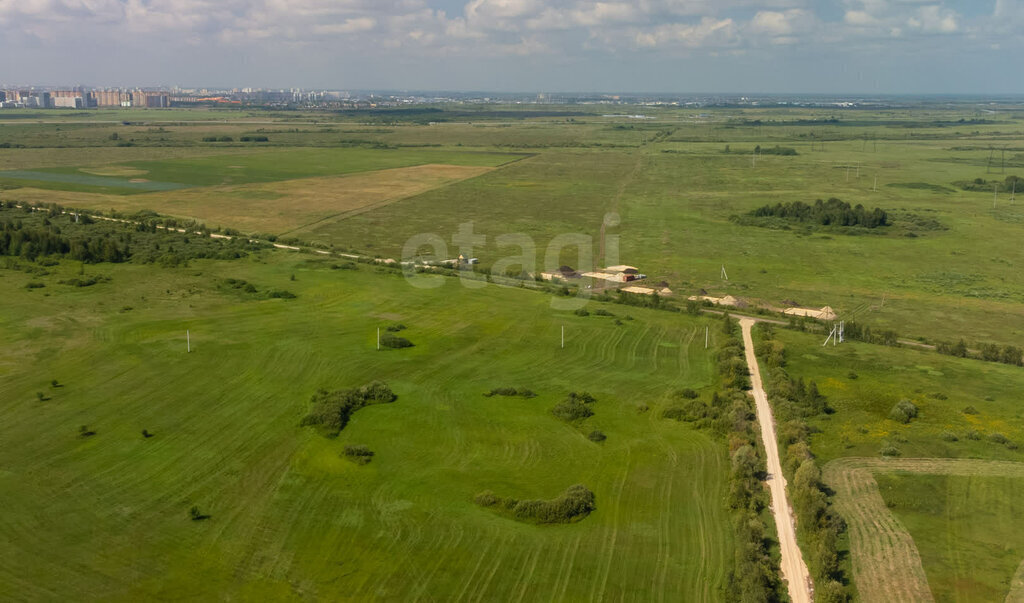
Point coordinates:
[(331, 410), (54, 231), (857, 332), (1009, 185), (511, 391), (244, 286), (575, 407), (358, 454), (989, 352), (31, 241), (818, 524), (572, 505), (644, 301), (825, 213), (254, 139), (394, 342), (218, 139)]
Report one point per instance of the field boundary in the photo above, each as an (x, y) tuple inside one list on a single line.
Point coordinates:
[(886, 563)]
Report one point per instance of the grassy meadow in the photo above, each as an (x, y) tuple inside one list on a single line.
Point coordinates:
[(106, 516)]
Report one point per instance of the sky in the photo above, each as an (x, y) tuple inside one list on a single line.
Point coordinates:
[(673, 46)]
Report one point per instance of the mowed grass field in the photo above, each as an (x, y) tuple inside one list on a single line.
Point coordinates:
[(967, 530), (106, 516)]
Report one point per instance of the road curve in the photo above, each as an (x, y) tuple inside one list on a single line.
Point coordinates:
[(794, 570)]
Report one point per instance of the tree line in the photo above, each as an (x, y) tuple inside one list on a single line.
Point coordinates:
[(818, 524), (32, 241)]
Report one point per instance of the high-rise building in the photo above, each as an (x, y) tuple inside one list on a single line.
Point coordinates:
[(110, 98)]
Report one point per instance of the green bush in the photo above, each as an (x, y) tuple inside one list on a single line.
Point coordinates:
[(889, 450), (597, 436), (358, 453), (331, 411), (575, 407), (948, 436), (972, 434), (396, 328), (511, 391), (998, 438), (581, 312), (572, 505), (903, 412), (970, 410), (394, 342)]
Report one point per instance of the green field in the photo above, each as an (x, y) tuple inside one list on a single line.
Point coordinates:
[(105, 517)]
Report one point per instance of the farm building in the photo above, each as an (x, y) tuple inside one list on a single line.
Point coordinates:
[(564, 272), (617, 274)]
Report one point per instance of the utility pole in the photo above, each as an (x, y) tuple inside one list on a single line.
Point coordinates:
[(563, 337), (188, 342), (706, 337), (378, 339)]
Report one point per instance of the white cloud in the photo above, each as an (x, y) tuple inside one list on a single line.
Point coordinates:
[(708, 33)]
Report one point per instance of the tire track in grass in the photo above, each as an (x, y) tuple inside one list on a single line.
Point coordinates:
[(498, 562), (704, 518), (525, 580), (565, 569), (632, 356), (450, 544), (664, 538), (476, 568), (608, 550)]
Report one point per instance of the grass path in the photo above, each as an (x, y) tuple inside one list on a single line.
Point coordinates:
[(886, 563)]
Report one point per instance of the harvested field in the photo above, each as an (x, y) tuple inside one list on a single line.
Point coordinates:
[(278, 207), (886, 562)]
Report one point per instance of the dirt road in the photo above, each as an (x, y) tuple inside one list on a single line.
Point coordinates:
[(794, 570)]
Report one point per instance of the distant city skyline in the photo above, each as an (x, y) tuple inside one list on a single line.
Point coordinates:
[(665, 46)]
